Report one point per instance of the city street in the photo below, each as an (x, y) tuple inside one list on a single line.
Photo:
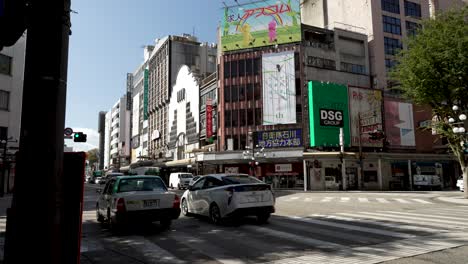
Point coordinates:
[(320, 227)]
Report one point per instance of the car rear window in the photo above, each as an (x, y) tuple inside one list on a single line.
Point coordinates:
[(141, 185), (185, 176), (240, 179)]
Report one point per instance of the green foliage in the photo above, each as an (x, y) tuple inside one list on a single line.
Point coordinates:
[(92, 156), (433, 70)]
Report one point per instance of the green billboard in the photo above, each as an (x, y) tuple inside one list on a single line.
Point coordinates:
[(328, 111), (261, 23)]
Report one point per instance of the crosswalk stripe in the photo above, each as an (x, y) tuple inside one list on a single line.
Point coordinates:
[(344, 199), (421, 201), (422, 220), (302, 239), (307, 199), (358, 218), (438, 211), (381, 217), (453, 210), (326, 199), (401, 200), (207, 249), (350, 227), (382, 200), (428, 216), (365, 200), (150, 250), (293, 198)]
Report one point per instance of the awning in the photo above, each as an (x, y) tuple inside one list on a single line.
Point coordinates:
[(325, 154), (183, 162)]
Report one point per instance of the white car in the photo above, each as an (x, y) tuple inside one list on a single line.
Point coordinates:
[(220, 196), (180, 180), (136, 199), (460, 184)]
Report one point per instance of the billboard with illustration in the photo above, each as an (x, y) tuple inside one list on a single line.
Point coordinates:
[(260, 23), (328, 112), (279, 88), (399, 124), (365, 105)]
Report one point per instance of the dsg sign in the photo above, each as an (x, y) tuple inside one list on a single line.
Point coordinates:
[(331, 117)]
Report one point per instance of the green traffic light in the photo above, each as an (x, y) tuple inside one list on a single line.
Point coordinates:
[(77, 135)]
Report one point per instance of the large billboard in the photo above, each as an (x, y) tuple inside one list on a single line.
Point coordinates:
[(328, 112), (279, 138), (261, 23), (279, 91), (399, 124), (365, 108)]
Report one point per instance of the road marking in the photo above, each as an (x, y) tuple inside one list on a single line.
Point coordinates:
[(302, 239), (359, 219), (307, 199), (401, 200), (293, 198), (421, 201), (350, 227), (363, 200), (204, 247), (424, 219), (382, 200), (429, 216), (344, 199), (151, 251), (326, 199)]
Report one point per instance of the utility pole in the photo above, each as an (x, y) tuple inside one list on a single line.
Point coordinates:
[(34, 220)]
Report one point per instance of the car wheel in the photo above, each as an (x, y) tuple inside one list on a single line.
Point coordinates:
[(178, 186), (184, 208), (172, 187), (165, 223), (215, 214), (263, 218)]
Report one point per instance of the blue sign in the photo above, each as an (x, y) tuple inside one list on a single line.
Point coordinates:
[(288, 138)]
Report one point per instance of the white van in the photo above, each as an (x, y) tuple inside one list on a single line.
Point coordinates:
[(180, 180)]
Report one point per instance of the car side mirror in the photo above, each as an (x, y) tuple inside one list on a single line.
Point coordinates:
[(99, 190)]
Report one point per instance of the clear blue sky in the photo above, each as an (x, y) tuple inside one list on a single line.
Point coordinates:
[(106, 43)]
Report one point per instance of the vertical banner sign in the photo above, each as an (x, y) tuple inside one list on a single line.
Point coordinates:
[(261, 23), (145, 95), (209, 118), (129, 91), (366, 104), (399, 124), (279, 88)]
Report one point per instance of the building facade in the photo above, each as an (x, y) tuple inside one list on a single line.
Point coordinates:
[(102, 138), (169, 54), (117, 135)]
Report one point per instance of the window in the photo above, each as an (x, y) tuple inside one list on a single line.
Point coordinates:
[(391, 25), (243, 119), (298, 86), (242, 68), (234, 93), (242, 93), (391, 6), (250, 92), (199, 184), (392, 46), (354, 68), (233, 68), (258, 116), (248, 66), (3, 133), (412, 28), (227, 69), (227, 119), (240, 179), (4, 100), (257, 66), (257, 92), (412, 9), (250, 117), (227, 94), (321, 63), (235, 118), (211, 182), (5, 64), (389, 63)]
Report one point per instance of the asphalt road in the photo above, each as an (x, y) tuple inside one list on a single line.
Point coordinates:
[(390, 228)]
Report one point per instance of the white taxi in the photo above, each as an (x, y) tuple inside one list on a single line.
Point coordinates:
[(229, 195), (136, 199)]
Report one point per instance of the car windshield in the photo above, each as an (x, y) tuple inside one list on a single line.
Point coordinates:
[(240, 179), (141, 184), (186, 176)]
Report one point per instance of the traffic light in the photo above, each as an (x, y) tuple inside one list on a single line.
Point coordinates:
[(12, 21), (79, 137)]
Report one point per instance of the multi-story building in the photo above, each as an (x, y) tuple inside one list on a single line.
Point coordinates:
[(11, 92), (102, 138), (139, 95), (169, 54), (117, 135)]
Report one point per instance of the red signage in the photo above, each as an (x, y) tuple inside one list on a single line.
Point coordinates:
[(209, 118)]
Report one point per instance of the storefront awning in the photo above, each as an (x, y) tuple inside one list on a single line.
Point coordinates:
[(328, 154), (183, 162)]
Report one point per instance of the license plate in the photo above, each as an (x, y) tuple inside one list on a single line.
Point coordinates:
[(151, 203)]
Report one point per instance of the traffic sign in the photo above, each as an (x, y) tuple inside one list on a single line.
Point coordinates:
[(68, 131)]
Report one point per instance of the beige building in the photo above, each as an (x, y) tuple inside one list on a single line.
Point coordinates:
[(385, 22)]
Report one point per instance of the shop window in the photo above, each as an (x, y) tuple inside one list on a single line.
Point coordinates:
[(258, 116), (250, 117), (243, 118), (235, 118)]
